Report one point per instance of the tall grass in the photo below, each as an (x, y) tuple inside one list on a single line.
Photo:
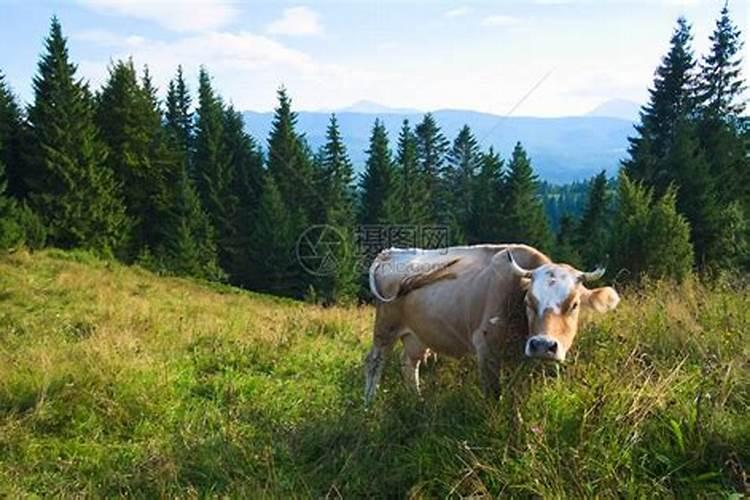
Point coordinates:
[(116, 382)]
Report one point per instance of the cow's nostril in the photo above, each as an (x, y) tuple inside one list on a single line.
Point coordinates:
[(535, 344), (552, 347)]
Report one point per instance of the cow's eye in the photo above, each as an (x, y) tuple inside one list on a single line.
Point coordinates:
[(574, 306)]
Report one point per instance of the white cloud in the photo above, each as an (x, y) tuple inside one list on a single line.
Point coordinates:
[(296, 21), (683, 3), (247, 68), (500, 21), (106, 38), (458, 12), (553, 2), (196, 15)]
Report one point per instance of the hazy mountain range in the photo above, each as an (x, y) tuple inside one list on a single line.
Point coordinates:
[(561, 149)]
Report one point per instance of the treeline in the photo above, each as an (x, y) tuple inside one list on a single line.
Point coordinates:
[(180, 187)]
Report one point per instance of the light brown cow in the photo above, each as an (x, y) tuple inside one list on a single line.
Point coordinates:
[(470, 300)]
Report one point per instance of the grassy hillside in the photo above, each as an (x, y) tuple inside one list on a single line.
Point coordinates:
[(115, 381)]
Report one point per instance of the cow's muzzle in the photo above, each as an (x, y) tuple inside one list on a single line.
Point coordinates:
[(542, 346)]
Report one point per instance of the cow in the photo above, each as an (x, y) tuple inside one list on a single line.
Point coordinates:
[(470, 300)]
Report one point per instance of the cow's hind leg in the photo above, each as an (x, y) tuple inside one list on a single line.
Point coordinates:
[(414, 353), (382, 344)]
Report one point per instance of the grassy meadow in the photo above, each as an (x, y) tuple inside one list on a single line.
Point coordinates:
[(115, 381)]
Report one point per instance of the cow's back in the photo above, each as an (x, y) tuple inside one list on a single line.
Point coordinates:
[(445, 313)]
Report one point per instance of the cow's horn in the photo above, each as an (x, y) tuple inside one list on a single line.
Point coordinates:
[(518, 270), (592, 275)]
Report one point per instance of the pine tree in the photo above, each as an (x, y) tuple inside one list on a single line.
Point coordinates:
[(721, 105), (338, 193), (273, 245), (720, 83), (246, 162), (129, 120), (524, 217), (179, 118), (566, 245), (593, 229), (189, 240), (376, 181), (11, 233), (431, 150), (671, 101), (293, 180), (214, 174), (464, 161), (681, 144), (487, 206), (291, 165), (697, 197), (668, 250), (11, 138), (72, 188), (649, 238), (409, 201)]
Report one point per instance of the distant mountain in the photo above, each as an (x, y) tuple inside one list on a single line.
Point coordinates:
[(374, 108), (617, 108), (561, 149)]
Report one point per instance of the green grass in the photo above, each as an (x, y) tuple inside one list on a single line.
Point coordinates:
[(114, 381)]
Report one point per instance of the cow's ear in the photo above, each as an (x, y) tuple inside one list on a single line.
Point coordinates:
[(525, 283), (601, 299)]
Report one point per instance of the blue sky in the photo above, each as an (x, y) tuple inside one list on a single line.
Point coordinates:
[(427, 55)]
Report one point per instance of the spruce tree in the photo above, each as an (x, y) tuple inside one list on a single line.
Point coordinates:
[(464, 161), (487, 206), (594, 227), (720, 83), (566, 245), (409, 202), (683, 144), (11, 139), (524, 217), (246, 162), (71, 186), (376, 181), (293, 181), (668, 250), (338, 193), (650, 238), (213, 169), (189, 242), (671, 101), (431, 150), (11, 232), (273, 245), (290, 163), (178, 117), (129, 120), (721, 106), (697, 197)]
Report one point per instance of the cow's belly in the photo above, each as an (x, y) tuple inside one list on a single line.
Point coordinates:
[(443, 318), (445, 341)]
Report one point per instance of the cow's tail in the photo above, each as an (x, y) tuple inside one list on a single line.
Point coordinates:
[(374, 285), (413, 282)]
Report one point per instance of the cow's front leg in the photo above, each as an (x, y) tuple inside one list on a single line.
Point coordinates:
[(488, 359)]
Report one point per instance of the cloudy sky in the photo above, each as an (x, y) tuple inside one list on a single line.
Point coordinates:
[(554, 57)]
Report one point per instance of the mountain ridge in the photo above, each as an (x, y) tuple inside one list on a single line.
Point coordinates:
[(562, 149)]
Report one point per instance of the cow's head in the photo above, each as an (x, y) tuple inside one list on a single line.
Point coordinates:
[(555, 296)]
